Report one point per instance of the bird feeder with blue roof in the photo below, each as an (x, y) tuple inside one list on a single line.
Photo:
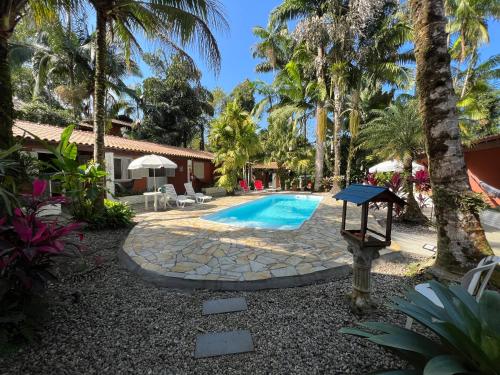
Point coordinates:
[(364, 243), (363, 195)]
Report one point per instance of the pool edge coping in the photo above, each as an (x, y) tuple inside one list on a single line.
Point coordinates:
[(338, 272)]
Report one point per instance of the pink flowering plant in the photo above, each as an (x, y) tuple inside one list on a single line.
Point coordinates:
[(422, 180), (27, 245)]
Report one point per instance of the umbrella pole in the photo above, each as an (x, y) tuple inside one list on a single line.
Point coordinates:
[(154, 179)]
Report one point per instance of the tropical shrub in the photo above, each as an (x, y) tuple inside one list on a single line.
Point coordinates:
[(83, 185), (469, 333), (84, 189), (9, 168), (327, 183), (45, 114), (115, 215), (390, 180), (234, 140), (27, 246), (422, 181)]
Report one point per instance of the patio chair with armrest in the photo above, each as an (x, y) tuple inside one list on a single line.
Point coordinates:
[(199, 197), (169, 193), (474, 281), (244, 186), (258, 185)]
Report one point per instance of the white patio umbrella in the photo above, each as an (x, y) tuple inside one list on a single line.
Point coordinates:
[(152, 162), (394, 166)]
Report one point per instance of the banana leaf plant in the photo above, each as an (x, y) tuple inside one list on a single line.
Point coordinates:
[(468, 331)]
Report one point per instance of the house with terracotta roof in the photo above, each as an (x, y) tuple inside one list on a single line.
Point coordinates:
[(192, 165)]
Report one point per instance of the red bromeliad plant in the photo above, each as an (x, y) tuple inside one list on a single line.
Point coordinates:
[(422, 180), (27, 244)]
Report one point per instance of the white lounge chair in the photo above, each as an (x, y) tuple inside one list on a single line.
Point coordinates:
[(169, 193), (199, 197), (474, 281)]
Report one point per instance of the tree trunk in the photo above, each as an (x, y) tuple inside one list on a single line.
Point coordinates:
[(354, 124), (469, 71), (411, 211), (321, 121), (202, 137), (6, 105), (100, 90), (461, 239), (337, 126)]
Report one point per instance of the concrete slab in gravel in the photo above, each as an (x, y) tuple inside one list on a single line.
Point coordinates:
[(222, 343), (220, 306)]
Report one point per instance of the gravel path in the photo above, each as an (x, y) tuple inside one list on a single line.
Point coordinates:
[(106, 321)]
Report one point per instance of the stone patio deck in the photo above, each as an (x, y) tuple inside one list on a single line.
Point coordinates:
[(176, 248)]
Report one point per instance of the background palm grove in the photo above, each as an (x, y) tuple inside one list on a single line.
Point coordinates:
[(353, 83)]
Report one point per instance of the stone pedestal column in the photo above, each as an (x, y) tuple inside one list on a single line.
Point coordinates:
[(361, 280)]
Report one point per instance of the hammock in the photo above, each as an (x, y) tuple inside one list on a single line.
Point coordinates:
[(488, 189)]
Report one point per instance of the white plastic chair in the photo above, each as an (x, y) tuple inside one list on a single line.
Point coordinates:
[(170, 193), (199, 197), (474, 281)]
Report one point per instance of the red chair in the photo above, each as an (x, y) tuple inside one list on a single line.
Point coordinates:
[(258, 185), (244, 186)]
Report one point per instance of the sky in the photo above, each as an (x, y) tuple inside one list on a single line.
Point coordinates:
[(236, 44)]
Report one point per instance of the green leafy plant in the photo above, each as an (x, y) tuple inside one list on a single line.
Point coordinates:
[(27, 246), (115, 215), (9, 168), (327, 183), (81, 184), (45, 114), (469, 333)]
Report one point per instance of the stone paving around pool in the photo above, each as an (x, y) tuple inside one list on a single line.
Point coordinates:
[(178, 245)]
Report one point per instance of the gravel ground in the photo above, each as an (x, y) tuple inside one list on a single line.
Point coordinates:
[(107, 321)]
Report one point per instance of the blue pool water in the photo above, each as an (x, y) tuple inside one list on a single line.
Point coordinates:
[(285, 212)]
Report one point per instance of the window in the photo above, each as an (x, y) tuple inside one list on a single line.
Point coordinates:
[(162, 172), (199, 170), (121, 171), (118, 168)]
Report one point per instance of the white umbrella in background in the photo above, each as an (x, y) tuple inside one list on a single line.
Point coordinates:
[(394, 166), (152, 162)]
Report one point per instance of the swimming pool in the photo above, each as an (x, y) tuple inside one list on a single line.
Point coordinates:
[(281, 211)]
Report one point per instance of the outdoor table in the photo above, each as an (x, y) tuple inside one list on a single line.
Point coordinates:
[(155, 194)]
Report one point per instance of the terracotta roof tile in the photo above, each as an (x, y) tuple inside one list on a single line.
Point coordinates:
[(53, 134)]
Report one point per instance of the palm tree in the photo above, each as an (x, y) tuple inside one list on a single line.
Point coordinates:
[(396, 132), (234, 140), (185, 21), (378, 62), (296, 95), (461, 239), (274, 46), (479, 106), (11, 12), (311, 30), (468, 21)]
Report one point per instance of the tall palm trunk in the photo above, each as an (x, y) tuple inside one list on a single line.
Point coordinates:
[(411, 212), (337, 126), (202, 137), (71, 73), (100, 90), (354, 122), (461, 239), (469, 71), (6, 106), (321, 121)]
